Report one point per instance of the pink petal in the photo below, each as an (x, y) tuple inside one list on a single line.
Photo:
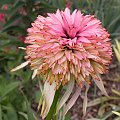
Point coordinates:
[(61, 60), (67, 53), (83, 39)]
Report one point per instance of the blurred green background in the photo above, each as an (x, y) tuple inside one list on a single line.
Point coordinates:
[(19, 95)]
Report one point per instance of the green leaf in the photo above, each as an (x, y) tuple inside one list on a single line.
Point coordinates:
[(114, 21), (4, 11), (5, 2), (11, 113), (15, 7), (67, 117), (0, 112), (30, 112), (12, 20), (15, 28), (24, 115), (8, 89)]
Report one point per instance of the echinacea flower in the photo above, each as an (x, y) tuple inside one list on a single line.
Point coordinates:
[(64, 48), (2, 17)]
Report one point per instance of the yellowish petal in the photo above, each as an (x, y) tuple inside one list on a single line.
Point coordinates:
[(20, 66)]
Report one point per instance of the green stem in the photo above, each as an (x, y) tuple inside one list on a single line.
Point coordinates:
[(53, 107)]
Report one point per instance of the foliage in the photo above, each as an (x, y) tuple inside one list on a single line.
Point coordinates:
[(104, 104), (117, 50), (18, 93)]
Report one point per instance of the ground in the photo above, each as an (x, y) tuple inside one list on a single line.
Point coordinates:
[(111, 81)]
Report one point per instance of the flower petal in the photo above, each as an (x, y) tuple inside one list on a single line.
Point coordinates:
[(20, 66), (85, 100), (48, 96), (100, 85), (72, 100), (34, 73), (66, 95)]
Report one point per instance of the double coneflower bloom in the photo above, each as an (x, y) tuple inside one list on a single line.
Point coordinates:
[(64, 48)]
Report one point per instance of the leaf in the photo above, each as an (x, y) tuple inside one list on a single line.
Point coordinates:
[(118, 45), (6, 36), (5, 2), (116, 92), (114, 21), (16, 28), (72, 100), (40, 102), (100, 85), (41, 98), (94, 119), (66, 95), (15, 7), (11, 21), (67, 117), (41, 86), (4, 11), (8, 89), (53, 106), (116, 113), (85, 100), (102, 108), (101, 100), (11, 113), (0, 112), (48, 96), (24, 115), (117, 50), (30, 112), (117, 54), (117, 118), (107, 115)]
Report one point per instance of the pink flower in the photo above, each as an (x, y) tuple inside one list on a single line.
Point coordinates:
[(64, 45), (5, 7), (64, 48), (2, 17)]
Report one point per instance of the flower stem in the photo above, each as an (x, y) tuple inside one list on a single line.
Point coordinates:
[(53, 107)]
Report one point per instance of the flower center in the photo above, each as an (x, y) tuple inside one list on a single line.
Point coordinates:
[(68, 42), (70, 38), (70, 33)]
